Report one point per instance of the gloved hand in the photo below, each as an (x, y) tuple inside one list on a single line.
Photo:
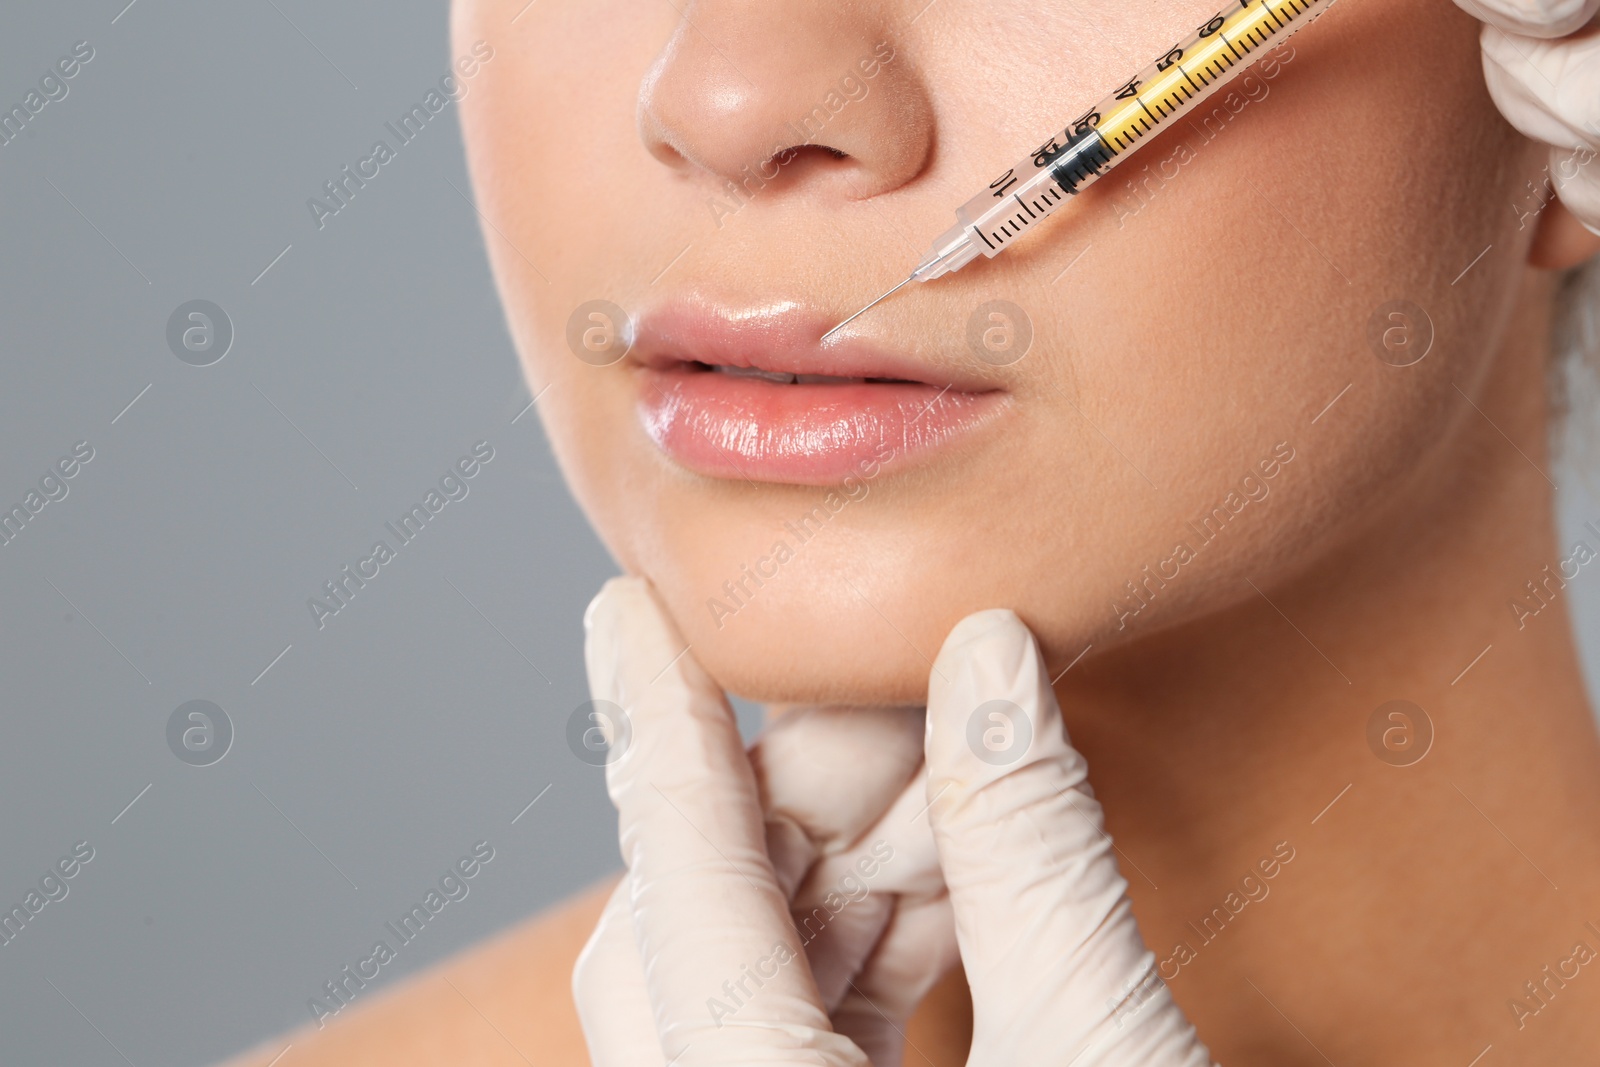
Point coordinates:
[(729, 941), (1543, 70), (757, 888)]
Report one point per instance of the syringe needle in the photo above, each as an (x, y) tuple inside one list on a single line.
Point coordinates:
[(1085, 151), (866, 309)]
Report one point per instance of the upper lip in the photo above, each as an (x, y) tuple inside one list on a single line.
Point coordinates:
[(784, 338)]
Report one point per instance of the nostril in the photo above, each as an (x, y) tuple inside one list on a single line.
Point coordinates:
[(797, 161), (665, 154), (794, 152)]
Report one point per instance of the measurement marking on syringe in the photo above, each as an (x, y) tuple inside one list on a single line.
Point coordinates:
[(1220, 51)]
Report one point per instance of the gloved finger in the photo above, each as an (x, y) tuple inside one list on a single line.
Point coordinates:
[(917, 949), (1533, 18), (1058, 969), (844, 905), (825, 774), (839, 934), (872, 987), (1549, 90), (608, 987), (724, 973)]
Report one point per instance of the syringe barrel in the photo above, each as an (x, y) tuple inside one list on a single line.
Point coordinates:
[(1088, 148)]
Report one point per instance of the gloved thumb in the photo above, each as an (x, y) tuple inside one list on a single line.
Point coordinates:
[(1058, 969)]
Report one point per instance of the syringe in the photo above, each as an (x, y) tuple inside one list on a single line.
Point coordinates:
[(1089, 148)]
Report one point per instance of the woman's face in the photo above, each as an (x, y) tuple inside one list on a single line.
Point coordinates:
[(1157, 446)]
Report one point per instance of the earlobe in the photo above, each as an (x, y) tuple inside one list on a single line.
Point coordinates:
[(1561, 241)]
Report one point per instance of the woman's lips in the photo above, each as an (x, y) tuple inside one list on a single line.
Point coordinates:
[(757, 396), (809, 434)]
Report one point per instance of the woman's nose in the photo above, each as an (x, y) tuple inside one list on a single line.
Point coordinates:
[(812, 94)]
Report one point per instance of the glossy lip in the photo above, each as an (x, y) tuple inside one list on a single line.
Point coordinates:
[(738, 427)]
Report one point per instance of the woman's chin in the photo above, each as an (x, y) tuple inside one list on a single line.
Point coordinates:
[(773, 649)]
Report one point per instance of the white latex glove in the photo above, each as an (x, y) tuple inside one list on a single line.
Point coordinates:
[(1058, 970), (1543, 70), (730, 858)]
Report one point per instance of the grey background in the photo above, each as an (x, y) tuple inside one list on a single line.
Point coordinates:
[(372, 354)]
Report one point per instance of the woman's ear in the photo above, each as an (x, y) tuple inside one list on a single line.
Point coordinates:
[(1561, 241)]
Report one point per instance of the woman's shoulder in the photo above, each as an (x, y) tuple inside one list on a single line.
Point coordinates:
[(505, 1001)]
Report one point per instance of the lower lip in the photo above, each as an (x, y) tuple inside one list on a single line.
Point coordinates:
[(728, 426)]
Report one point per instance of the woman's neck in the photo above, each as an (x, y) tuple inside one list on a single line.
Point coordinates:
[(1423, 896)]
